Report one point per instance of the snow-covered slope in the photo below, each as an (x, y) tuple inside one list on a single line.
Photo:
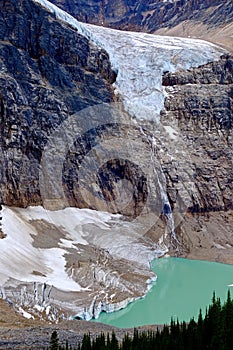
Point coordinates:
[(72, 251), (140, 60), (24, 259), (73, 226)]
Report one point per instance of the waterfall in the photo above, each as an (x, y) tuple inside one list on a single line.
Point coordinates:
[(166, 210)]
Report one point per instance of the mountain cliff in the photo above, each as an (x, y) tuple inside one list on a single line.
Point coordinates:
[(211, 20), (96, 120), (48, 72)]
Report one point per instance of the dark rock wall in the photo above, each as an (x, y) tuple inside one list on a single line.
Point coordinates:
[(148, 15), (47, 72), (200, 101)]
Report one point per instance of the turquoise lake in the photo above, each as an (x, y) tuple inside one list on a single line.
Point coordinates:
[(183, 287)]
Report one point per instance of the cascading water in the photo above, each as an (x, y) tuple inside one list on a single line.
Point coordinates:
[(166, 210)]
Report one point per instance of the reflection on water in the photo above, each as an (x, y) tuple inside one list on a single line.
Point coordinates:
[(182, 288)]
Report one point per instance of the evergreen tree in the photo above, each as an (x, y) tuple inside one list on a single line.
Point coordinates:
[(135, 340), (214, 335), (54, 341), (99, 343), (213, 332), (227, 317), (200, 325), (86, 343), (114, 342), (164, 339), (108, 341), (126, 343)]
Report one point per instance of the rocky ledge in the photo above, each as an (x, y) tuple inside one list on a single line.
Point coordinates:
[(199, 106)]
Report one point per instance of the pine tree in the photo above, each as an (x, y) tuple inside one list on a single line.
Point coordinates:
[(99, 343), (227, 316), (200, 325), (86, 343), (216, 325), (54, 341), (164, 339), (114, 342), (135, 340), (126, 343)]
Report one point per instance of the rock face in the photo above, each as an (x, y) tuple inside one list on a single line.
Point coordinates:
[(47, 72), (148, 16), (200, 103), (210, 20)]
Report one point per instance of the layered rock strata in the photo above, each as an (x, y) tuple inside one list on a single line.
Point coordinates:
[(199, 106)]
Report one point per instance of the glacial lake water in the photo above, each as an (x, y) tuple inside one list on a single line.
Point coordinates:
[(183, 287)]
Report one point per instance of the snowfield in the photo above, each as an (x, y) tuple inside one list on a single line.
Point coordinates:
[(19, 258), (23, 260), (42, 250)]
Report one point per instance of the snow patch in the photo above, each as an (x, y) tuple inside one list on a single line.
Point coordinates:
[(19, 258), (25, 313), (171, 132), (23, 261)]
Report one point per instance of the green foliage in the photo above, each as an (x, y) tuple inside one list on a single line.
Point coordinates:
[(54, 343), (212, 332), (86, 344)]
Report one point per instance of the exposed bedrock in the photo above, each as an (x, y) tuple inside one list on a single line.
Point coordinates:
[(147, 15), (199, 104), (47, 72), (168, 178)]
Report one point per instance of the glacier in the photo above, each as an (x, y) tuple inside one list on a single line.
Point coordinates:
[(140, 59)]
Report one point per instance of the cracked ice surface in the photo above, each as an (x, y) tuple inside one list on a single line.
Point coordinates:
[(140, 60)]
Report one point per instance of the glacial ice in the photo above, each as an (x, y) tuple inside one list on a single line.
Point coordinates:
[(140, 59)]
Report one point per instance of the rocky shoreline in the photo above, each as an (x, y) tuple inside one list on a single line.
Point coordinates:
[(17, 333)]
